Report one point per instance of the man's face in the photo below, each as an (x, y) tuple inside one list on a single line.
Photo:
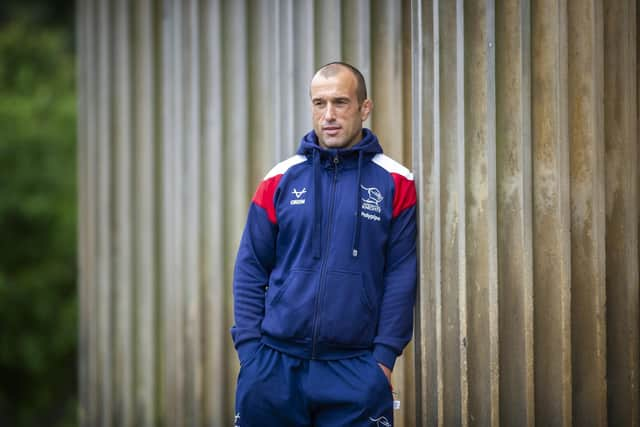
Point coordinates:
[(337, 116)]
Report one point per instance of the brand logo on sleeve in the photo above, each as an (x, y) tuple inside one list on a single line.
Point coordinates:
[(371, 198), (298, 194)]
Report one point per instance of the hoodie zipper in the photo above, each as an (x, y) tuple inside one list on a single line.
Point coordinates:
[(323, 267)]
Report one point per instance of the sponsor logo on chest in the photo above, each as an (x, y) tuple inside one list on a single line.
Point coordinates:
[(371, 198), (299, 200)]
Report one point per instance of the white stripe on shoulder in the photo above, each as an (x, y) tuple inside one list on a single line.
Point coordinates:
[(391, 166), (284, 165)]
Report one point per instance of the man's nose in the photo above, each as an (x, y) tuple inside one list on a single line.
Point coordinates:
[(330, 112)]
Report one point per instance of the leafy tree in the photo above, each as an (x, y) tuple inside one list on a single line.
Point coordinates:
[(38, 306), (48, 13)]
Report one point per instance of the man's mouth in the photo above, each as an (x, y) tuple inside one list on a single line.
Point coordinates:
[(331, 130)]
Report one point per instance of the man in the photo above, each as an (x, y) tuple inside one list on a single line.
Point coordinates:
[(324, 282)]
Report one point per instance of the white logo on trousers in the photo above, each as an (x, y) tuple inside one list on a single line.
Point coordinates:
[(382, 421)]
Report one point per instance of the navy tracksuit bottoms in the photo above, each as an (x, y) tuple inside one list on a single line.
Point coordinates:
[(278, 390)]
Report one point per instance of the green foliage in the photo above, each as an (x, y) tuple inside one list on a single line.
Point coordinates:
[(56, 13), (38, 307)]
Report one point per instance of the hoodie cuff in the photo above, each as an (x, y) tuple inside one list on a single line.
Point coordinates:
[(384, 355), (247, 349)]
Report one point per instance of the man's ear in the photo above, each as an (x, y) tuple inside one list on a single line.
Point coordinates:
[(365, 109)]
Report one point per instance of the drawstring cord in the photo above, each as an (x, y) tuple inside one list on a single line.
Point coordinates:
[(317, 215), (356, 230)]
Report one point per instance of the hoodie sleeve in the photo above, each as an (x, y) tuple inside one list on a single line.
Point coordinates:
[(395, 327), (254, 262)]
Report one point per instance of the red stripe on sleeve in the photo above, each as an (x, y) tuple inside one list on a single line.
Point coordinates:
[(405, 194), (264, 196)]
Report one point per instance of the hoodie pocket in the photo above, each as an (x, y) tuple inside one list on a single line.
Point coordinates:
[(349, 312), (289, 313)]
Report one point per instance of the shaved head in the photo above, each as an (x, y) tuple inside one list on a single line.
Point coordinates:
[(333, 68)]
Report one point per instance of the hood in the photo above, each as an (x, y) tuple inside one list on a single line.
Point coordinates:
[(368, 144)]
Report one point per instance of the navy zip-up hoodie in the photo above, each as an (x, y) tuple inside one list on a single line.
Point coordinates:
[(326, 267)]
